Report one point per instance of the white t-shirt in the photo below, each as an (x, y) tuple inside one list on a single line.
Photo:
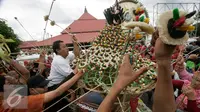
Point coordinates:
[(60, 69)]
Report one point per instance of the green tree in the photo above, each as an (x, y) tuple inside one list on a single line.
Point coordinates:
[(8, 33)]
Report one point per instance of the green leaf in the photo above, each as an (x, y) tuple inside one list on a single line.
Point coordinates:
[(8, 33), (7, 40)]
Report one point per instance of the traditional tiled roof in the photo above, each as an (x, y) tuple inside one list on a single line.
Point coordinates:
[(86, 28)]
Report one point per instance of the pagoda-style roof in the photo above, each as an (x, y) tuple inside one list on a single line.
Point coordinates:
[(82, 38), (85, 24), (86, 28), (27, 44), (87, 16)]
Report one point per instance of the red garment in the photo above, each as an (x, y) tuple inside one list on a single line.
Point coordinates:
[(142, 50), (152, 50), (48, 65), (25, 63), (192, 105), (134, 104), (178, 84), (137, 47), (35, 104), (175, 55)]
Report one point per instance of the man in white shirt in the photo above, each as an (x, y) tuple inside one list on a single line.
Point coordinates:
[(60, 67)]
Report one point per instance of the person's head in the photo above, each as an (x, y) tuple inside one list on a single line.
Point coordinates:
[(50, 59), (35, 65), (37, 85), (142, 42), (46, 72), (12, 77), (147, 55), (196, 80), (25, 63), (60, 48), (198, 42), (193, 43), (49, 53)]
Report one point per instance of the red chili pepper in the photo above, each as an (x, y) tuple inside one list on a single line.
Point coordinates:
[(137, 18), (179, 22), (141, 12)]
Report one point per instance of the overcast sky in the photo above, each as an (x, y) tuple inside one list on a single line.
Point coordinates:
[(31, 12)]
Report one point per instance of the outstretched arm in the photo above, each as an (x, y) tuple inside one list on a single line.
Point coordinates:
[(17, 67), (125, 77), (41, 60), (180, 69), (163, 97), (21, 69), (191, 95), (76, 47), (49, 96)]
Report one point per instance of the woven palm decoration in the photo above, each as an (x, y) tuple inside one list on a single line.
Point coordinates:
[(4, 49), (102, 61)]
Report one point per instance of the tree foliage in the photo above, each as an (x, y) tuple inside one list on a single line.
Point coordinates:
[(8, 33)]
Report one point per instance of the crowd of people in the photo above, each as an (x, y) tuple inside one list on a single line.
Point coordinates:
[(48, 81)]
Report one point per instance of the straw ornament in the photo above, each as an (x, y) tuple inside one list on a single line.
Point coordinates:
[(46, 18), (4, 49), (173, 26), (52, 23), (102, 61)]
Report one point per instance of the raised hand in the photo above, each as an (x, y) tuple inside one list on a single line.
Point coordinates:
[(163, 51), (125, 77), (42, 54), (126, 74), (179, 63), (74, 39), (189, 92), (193, 56), (196, 80)]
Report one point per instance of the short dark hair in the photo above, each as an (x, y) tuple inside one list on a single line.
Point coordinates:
[(56, 46), (49, 52), (44, 71)]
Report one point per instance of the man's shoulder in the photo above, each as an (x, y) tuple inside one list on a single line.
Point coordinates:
[(58, 59), (34, 97), (71, 56)]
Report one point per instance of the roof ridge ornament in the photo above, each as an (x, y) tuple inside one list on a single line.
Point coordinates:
[(85, 11)]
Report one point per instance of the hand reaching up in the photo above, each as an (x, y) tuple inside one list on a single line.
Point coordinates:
[(193, 56), (80, 72), (125, 77), (196, 80), (179, 63), (42, 54), (163, 51), (126, 74), (74, 39), (189, 92)]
